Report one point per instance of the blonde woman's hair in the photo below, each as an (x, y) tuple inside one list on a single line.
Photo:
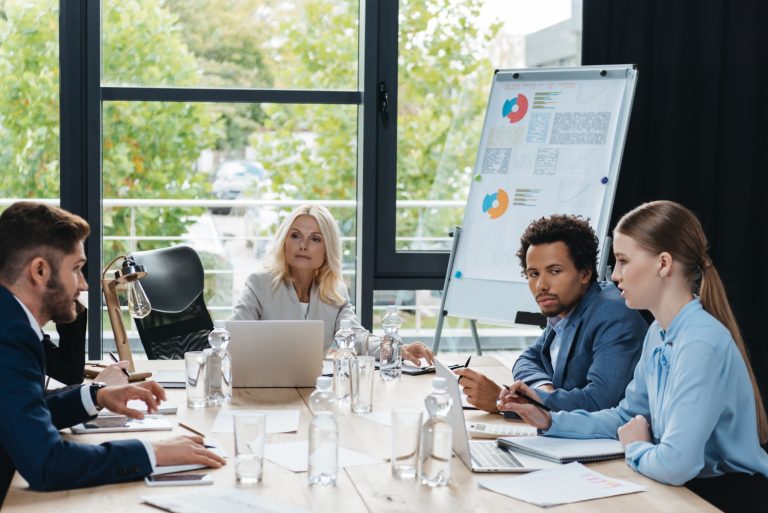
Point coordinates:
[(661, 226), (328, 276)]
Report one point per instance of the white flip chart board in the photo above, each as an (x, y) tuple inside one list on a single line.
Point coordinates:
[(551, 143)]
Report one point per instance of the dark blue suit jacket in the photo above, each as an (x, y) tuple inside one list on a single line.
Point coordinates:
[(29, 420), (600, 347)]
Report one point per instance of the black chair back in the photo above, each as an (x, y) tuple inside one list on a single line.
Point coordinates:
[(179, 320)]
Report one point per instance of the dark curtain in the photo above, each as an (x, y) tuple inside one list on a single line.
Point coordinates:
[(698, 132)]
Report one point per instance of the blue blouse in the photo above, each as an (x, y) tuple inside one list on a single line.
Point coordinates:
[(692, 385)]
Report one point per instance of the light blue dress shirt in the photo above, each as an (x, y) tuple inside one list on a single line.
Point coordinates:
[(692, 384), (558, 326)]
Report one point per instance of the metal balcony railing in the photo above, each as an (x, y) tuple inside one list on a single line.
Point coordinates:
[(227, 242)]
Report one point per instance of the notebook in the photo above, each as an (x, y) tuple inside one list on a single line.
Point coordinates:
[(171, 378), (565, 450)]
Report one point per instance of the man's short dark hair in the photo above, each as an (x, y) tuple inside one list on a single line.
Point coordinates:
[(29, 230), (573, 231)]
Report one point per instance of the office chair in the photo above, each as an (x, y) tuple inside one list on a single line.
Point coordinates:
[(179, 320)]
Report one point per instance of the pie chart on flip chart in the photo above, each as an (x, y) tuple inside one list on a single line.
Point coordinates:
[(496, 204), (515, 109)]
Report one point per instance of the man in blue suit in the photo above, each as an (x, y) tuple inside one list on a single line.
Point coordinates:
[(40, 278), (587, 354)]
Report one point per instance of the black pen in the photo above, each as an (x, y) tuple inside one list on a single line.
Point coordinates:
[(114, 359), (466, 365), (530, 400)]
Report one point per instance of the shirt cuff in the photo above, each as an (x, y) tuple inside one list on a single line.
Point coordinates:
[(85, 397), (635, 451), (150, 454), (540, 383)]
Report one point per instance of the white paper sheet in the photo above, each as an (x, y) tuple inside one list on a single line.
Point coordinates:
[(226, 499), (575, 483), (293, 456), (278, 421)]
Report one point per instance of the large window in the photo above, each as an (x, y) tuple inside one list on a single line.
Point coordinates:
[(282, 44), (220, 171), (447, 51), (29, 101), (204, 121)]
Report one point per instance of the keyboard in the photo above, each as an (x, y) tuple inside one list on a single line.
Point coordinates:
[(488, 455), (482, 430)]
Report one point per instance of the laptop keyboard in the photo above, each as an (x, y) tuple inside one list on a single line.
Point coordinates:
[(488, 455)]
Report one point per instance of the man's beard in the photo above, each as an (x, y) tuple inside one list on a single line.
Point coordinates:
[(557, 309), (58, 303)]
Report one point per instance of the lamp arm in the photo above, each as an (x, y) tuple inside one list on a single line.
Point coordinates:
[(108, 287), (109, 266)]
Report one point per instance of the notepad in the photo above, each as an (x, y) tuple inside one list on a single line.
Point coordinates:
[(565, 450), (171, 378)]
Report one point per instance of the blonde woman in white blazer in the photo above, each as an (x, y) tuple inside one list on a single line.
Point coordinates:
[(302, 278)]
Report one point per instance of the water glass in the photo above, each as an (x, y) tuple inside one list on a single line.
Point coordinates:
[(406, 430), (250, 432), (194, 364), (362, 370)]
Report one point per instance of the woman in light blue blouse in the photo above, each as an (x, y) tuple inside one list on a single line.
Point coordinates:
[(693, 409)]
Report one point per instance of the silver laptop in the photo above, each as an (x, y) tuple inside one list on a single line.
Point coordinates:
[(482, 455), (276, 353)]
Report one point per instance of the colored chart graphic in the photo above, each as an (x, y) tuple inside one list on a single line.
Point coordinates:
[(515, 109), (496, 204)]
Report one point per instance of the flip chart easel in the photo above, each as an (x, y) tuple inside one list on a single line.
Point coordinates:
[(551, 143)]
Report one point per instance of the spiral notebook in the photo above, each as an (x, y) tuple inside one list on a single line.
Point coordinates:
[(565, 450)]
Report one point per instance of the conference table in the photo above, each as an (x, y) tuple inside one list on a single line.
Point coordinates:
[(368, 488)]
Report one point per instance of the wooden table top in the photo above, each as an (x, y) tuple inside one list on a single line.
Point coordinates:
[(361, 488)]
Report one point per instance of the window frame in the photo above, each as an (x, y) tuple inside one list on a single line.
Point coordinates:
[(379, 265)]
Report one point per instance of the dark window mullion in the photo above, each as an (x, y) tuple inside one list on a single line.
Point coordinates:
[(80, 140), (179, 94), (396, 269)]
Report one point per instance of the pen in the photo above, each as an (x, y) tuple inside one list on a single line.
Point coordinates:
[(190, 428), (530, 400), (466, 364), (114, 359)]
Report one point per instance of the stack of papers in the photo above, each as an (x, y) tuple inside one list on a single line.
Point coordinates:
[(561, 485)]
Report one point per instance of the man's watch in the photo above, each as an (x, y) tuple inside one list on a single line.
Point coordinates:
[(94, 389)]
